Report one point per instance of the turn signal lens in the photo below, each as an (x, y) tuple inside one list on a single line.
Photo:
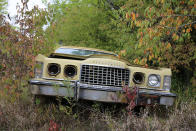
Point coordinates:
[(38, 70), (167, 83)]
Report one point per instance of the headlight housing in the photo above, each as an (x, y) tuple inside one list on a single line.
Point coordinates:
[(54, 69), (138, 77), (38, 70), (70, 71), (154, 80), (167, 83)]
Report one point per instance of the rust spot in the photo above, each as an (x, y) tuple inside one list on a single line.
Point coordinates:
[(149, 96)]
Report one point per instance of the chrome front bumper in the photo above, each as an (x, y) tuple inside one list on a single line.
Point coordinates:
[(98, 93)]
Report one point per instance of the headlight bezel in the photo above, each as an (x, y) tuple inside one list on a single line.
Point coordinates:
[(67, 71), (58, 70), (141, 77), (157, 84)]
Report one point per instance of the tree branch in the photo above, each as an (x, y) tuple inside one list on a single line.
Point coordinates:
[(112, 6), (179, 26)]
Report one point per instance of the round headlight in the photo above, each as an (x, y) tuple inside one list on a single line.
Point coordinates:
[(54, 69), (153, 80), (70, 71), (138, 77)]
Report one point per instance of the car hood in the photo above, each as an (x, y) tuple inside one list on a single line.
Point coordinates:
[(103, 56), (77, 57)]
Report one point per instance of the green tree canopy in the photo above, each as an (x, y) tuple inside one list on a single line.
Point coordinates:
[(84, 23)]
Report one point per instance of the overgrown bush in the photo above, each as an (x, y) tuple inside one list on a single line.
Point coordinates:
[(18, 48)]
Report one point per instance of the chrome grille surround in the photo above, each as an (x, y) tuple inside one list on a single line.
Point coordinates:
[(104, 75)]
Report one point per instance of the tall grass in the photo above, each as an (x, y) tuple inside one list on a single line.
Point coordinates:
[(22, 115), (183, 89)]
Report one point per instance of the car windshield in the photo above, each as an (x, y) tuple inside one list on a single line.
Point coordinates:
[(80, 52)]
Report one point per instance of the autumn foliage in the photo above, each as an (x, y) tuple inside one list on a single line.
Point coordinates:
[(165, 30), (18, 48)]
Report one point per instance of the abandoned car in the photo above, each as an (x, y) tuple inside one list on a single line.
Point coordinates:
[(98, 75)]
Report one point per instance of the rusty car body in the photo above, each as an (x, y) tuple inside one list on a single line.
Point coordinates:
[(98, 75)]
